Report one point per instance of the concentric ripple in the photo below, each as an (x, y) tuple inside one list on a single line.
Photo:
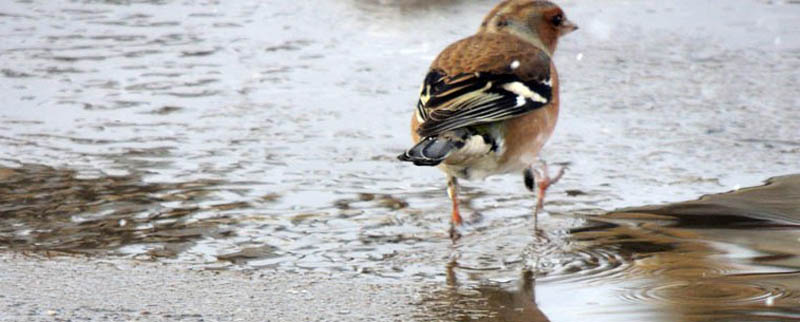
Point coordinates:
[(587, 265), (707, 292), (680, 270), (604, 254)]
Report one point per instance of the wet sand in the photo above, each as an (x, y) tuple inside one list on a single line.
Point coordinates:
[(77, 289)]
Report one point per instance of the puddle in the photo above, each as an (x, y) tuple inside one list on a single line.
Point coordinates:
[(262, 136), (55, 212), (724, 257)]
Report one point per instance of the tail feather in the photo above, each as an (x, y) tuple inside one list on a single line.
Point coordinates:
[(430, 151)]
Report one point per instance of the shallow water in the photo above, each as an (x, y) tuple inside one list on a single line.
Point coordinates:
[(679, 262), (262, 135)]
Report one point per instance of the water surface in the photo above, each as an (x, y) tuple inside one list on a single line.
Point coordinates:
[(261, 136)]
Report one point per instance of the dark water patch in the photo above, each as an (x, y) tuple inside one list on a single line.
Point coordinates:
[(291, 45), (83, 11), (73, 139), (115, 105), (43, 209), (14, 74), (15, 15), (227, 25), (119, 38), (174, 39), (200, 82), (382, 200), (101, 83), (151, 86), (141, 53), (203, 93), (60, 211), (775, 203), (199, 52), (22, 122), (71, 59), (165, 110), (63, 70), (135, 21)]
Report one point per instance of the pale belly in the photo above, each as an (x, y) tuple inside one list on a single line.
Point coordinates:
[(478, 162), (478, 169)]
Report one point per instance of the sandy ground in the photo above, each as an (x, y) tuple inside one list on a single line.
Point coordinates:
[(75, 289)]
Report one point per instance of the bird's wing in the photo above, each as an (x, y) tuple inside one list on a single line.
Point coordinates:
[(503, 87)]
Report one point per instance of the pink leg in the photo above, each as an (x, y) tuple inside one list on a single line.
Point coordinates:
[(455, 220), (540, 177), (545, 181)]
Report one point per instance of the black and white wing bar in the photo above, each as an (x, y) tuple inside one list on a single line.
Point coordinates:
[(448, 103)]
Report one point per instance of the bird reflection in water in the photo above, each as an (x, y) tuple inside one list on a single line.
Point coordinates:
[(489, 302)]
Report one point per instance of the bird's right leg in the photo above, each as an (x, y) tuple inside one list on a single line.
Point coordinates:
[(452, 192), (538, 179), (530, 183)]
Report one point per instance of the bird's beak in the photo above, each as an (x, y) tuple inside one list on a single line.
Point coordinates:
[(567, 27)]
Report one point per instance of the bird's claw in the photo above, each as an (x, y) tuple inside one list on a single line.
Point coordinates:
[(544, 181), (540, 236), (455, 235)]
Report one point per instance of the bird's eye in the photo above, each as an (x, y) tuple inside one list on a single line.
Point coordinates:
[(557, 20)]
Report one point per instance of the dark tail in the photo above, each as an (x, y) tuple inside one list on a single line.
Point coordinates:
[(430, 151)]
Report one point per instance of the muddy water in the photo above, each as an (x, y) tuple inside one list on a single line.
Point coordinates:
[(261, 135)]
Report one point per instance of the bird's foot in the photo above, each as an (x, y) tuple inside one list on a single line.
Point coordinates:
[(455, 233), (455, 223), (539, 236), (544, 181)]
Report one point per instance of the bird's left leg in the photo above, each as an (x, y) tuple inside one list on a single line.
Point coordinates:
[(452, 192)]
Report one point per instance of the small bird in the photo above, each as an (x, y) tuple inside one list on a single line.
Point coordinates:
[(490, 101)]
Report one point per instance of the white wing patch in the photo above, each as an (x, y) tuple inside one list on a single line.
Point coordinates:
[(514, 64), (520, 100), (475, 145), (524, 92)]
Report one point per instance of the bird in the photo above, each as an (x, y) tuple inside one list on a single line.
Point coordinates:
[(489, 102)]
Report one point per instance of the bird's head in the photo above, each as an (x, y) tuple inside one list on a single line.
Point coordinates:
[(536, 21)]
